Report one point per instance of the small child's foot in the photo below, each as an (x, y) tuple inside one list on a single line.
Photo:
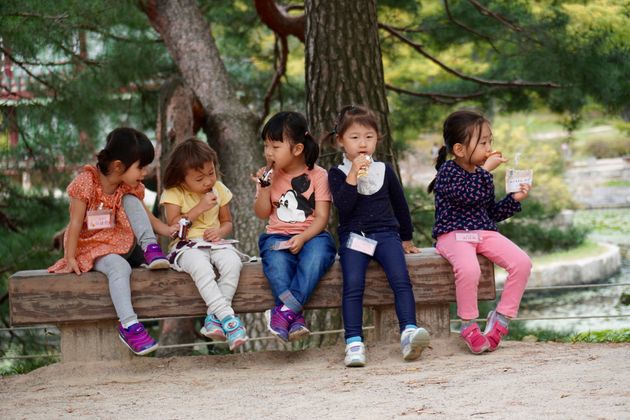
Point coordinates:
[(213, 329), (413, 341), (494, 331), (137, 339), (234, 331), (155, 258), (355, 354), (297, 327), (277, 323), (475, 341)]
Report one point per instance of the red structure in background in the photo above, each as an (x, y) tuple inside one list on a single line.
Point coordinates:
[(13, 93)]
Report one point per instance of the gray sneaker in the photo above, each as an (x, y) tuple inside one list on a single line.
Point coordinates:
[(413, 341), (355, 355)]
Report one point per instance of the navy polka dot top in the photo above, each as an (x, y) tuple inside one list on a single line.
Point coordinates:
[(465, 201)]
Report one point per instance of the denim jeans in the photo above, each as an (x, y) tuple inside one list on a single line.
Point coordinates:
[(294, 277), (390, 255)]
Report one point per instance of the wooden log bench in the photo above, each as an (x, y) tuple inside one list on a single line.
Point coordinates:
[(82, 309)]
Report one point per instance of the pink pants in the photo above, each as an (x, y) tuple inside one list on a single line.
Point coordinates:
[(498, 249)]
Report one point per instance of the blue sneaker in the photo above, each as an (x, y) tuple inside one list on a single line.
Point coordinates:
[(213, 329), (234, 331)]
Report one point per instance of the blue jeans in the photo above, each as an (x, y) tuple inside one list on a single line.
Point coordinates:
[(390, 255), (293, 277)]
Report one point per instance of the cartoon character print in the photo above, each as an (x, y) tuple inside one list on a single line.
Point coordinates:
[(292, 206)]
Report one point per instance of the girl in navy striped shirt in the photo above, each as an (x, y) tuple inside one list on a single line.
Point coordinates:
[(466, 215)]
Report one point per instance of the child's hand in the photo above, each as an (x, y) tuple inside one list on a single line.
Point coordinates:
[(260, 174), (296, 243), (71, 266), (523, 193), (410, 248), (493, 160), (173, 230), (362, 161), (212, 235), (208, 201)]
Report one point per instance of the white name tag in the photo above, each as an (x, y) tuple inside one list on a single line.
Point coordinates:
[(467, 237), (100, 219), (361, 244), (515, 177)]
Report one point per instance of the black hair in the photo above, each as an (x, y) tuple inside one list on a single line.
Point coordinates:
[(127, 145), (458, 128), (293, 127), (352, 114)]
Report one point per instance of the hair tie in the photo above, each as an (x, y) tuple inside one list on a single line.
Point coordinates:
[(306, 133)]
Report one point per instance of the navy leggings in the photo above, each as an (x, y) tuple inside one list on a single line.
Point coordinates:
[(390, 255)]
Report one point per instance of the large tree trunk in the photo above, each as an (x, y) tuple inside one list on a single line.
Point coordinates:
[(233, 128), (344, 67)]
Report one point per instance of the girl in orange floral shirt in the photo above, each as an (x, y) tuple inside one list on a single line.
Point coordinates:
[(107, 218)]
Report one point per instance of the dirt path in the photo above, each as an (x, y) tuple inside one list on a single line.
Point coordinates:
[(521, 380)]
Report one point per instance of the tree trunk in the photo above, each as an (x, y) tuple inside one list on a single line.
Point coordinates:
[(233, 128), (344, 67), (174, 125)]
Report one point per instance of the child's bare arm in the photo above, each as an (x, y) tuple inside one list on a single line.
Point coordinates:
[(225, 228), (77, 215), (160, 227)]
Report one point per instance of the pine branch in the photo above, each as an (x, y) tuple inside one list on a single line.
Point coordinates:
[(281, 69), (487, 12), (441, 98), (420, 49), (278, 20), (467, 28), (27, 71)]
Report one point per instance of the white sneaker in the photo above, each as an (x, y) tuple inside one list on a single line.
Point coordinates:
[(413, 341), (355, 354)]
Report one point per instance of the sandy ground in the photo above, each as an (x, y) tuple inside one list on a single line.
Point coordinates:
[(520, 380)]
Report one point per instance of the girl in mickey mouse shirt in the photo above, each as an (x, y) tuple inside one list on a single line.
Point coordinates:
[(296, 251)]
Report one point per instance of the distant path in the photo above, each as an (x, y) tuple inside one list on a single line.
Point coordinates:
[(600, 183), (519, 381)]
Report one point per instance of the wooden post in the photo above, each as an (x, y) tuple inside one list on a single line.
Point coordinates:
[(434, 317), (92, 341)]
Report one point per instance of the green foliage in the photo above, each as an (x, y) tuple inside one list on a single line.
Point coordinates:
[(605, 336), (606, 148), (37, 217)]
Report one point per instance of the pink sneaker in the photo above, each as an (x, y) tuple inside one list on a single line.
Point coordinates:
[(475, 341), (494, 331)]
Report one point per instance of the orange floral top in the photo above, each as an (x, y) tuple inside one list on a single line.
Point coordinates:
[(93, 244)]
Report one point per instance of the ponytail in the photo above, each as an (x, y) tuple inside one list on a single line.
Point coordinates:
[(311, 150), (438, 164), (127, 145)]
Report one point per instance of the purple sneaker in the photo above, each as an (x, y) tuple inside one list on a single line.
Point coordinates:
[(297, 328), (155, 258), (137, 339), (277, 323)]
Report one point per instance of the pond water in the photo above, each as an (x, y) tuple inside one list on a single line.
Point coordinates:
[(597, 301)]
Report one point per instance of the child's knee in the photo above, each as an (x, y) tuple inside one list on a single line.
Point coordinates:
[(467, 273)]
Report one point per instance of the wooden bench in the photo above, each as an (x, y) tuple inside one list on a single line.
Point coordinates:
[(82, 309)]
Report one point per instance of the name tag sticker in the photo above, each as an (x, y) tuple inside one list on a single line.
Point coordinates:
[(100, 219), (515, 177), (277, 246), (467, 237), (361, 244)]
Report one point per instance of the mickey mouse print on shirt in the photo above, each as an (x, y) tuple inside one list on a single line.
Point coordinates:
[(293, 207)]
